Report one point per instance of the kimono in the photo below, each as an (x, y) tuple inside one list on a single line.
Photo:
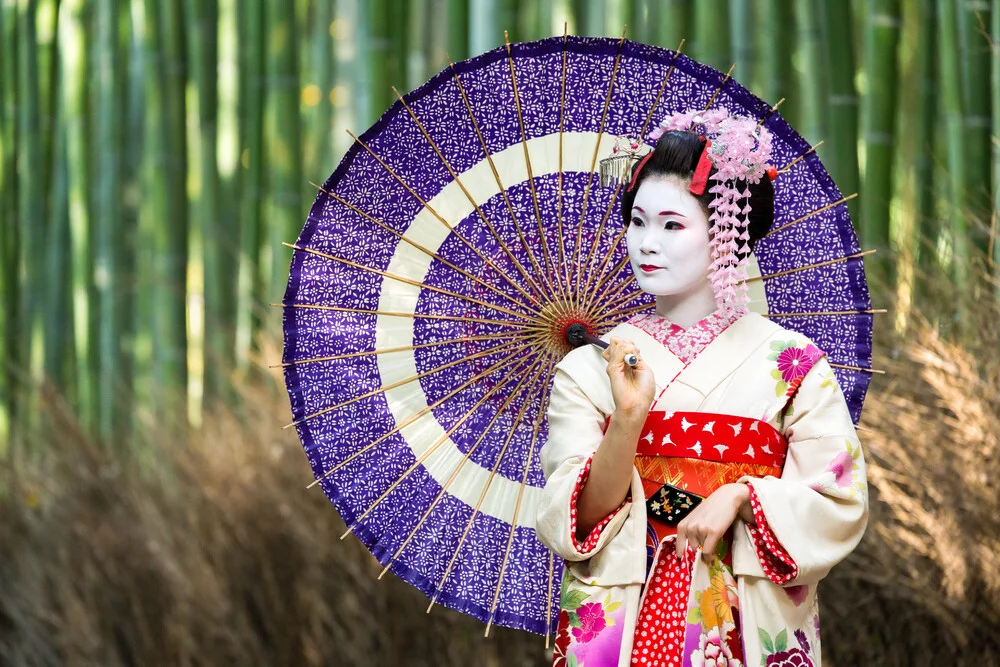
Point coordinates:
[(739, 399)]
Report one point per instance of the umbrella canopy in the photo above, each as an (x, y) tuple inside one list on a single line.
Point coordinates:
[(440, 263)]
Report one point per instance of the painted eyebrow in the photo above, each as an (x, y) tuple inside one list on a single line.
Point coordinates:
[(679, 215)]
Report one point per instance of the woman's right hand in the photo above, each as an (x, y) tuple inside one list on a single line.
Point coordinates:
[(631, 386)]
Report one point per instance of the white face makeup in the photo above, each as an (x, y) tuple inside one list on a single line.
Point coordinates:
[(667, 240)]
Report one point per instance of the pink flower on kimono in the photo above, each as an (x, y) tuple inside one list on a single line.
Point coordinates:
[(713, 652), (793, 657), (592, 622), (794, 362), (842, 468)]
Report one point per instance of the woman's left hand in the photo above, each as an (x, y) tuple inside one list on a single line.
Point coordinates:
[(710, 520)]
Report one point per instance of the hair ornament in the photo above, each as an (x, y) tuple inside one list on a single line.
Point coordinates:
[(739, 149)]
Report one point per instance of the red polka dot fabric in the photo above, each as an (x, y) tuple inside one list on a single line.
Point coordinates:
[(777, 564), (659, 631)]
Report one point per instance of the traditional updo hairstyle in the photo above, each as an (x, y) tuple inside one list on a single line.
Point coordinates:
[(677, 154)]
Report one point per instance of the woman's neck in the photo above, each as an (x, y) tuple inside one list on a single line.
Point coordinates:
[(688, 308)]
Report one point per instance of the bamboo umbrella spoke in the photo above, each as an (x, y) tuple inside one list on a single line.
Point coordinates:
[(722, 85), (811, 214), (482, 495), (517, 506), (430, 451), (816, 265), (412, 378), (828, 313), (593, 158), (503, 363), (559, 182), (527, 162), (788, 167), (423, 249), (410, 281), (479, 211), (528, 377), (453, 230), (389, 313), (861, 369), (390, 350)]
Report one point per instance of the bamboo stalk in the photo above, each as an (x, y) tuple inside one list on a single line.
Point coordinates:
[(710, 39), (841, 99), (973, 22), (878, 117), (951, 92), (672, 21), (995, 90)]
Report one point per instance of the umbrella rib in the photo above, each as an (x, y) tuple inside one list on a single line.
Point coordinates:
[(444, 222), (517, 507), (788, 167), (496, 172), (559, 189), (870, 311), (475, 204), (593, 158), (722, 85), (811, 214), (856, 368), (400, 383), (659, 94), (413, 418), (389, 350), (427, 316), (422, 249), (465, 459), (423, 457), (527, 162), (479, 502), (586, 291), (642, 133), (763, 118), (410, 281), (812, 266)]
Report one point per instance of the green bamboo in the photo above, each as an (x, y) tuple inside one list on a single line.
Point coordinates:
[(171, 347), (926, 223), (741, 38), (31, 207), (709, 42), (995, 91), (252, 283), (840, 151), (457, 31), (417, 43), (379, 53), (773, 43), (879, 119), (672, 21), (589, 17), (951, 77), (8, 211), (485, 26), (809, 75), (974, 20), (283, 138), (203, 30), (319, 82)]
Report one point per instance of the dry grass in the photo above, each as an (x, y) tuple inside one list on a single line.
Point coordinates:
[(208, 551)]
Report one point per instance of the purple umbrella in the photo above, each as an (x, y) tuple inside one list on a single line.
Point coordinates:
[(440, 265)]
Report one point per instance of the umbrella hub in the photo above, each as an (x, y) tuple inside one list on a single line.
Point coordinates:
[(559, 317)]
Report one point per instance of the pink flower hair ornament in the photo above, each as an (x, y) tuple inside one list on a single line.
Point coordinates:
[(739, 150)]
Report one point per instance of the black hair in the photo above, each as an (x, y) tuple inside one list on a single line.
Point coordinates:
[(677, 154)]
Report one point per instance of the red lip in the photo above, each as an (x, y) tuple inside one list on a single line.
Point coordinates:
[(649, 268)]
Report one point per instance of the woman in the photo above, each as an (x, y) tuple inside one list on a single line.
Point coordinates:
[(699, 496)]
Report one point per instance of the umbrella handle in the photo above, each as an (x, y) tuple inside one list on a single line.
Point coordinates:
[(577, 335)]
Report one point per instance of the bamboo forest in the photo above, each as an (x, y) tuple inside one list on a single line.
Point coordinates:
[(158, 156)]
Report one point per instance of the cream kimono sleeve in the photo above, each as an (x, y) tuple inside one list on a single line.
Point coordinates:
[(818, 509), (576, 428)]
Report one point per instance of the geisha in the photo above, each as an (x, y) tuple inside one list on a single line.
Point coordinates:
[(699, 496)]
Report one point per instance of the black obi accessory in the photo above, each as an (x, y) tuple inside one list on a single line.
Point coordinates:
[(671, 504)]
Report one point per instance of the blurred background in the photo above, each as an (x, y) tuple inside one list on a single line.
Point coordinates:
[(154, 154)]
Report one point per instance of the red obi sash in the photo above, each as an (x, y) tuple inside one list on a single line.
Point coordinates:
[(712, 437), (700, 451)]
